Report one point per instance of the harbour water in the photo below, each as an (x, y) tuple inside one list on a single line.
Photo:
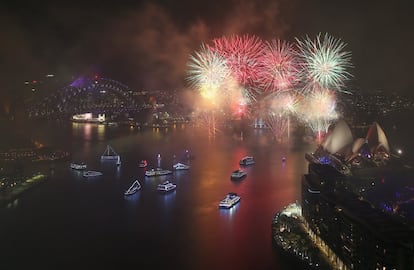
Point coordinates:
[(74, 222)]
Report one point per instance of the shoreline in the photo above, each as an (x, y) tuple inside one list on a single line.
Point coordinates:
[(290, 237), (7, 197)]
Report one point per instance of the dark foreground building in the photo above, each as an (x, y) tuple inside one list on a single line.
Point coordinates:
[(355, 200)]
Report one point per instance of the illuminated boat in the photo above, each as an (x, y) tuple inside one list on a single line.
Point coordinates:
[(109, 154), (143, 164), (230, 200), (78, 166), (133, 188), (180, 166), (166, 186), (247, 160), (157, 172), (91, 174), (238, 174)]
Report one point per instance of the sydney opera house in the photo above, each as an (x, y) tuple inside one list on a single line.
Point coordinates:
[(358, 201)]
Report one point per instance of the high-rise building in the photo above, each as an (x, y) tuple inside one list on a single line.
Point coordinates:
[(356, 199)]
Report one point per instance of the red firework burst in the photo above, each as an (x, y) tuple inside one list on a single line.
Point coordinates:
[(242, 54), (279, 67)]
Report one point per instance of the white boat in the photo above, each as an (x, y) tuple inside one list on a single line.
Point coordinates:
[(110, 154), (143, 164), (181, 166), (230, 200), (166, 186), (91, 173), (78, 166), (157, 172), (238, 174), (247, 160), (133, 188)]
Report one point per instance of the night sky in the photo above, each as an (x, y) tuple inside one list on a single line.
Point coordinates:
[(146, 44)]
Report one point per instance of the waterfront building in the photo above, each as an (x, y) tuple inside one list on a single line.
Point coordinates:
[(353, 198)]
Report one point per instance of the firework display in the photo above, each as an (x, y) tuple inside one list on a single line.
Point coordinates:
[(318, 110), (279, 68), (274, 80), (323, 62), (242, 54), (208, 72)]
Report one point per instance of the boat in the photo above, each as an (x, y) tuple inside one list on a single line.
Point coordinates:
[(238, 174), (91, 174), (157, 172), (166, 186), (110, 154), (247, 160), (180, 166), (230, 200), (143, 164), (78, 166), (133, 188)]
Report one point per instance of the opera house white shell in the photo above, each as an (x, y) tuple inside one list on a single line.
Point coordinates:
[(340, 142)]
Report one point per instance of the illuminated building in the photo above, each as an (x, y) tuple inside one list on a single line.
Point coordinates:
[(352, 199), (88, 118)]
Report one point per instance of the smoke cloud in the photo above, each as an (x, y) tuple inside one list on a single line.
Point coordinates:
[(145, 45)]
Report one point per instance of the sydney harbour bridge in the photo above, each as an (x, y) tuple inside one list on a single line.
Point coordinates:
[(88, 95)]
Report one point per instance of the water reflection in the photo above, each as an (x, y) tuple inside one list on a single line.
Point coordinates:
[(109, 166), (133, 199), (168, 199), (192, 210), (118, 171), (89, 131), (228, 214), (77, 173), (13, 204), (101, 132)]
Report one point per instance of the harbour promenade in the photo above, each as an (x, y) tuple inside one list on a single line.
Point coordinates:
[(17, 188), (293, 237)]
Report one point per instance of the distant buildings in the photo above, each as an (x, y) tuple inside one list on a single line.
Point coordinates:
[(357, 201)]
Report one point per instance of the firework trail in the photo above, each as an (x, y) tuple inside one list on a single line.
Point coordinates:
[(279, 67), (318, 110), (237, 75), (208, 119), (323, 63), (280, 107), (278, 124)]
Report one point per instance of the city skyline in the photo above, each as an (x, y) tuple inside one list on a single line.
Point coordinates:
[(147, 44), (104, 105)]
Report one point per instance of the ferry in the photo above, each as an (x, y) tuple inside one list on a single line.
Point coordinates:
[(166, 186), (133, 188), (110, 155), (78, 166), (91, 174), (157, 172), (247, 160), (238, 174), (230, 200), (180, 166), (143, 164)]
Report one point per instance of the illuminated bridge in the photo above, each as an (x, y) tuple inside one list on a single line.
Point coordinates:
[(93, 95)]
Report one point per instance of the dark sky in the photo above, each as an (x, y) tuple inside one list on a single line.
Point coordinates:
[(146, 44)]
